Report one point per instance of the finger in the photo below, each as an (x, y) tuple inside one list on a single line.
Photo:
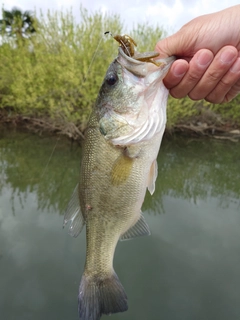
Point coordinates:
[(221, 64), (233, 92), (197, 67), (176, 73), (228, 87)]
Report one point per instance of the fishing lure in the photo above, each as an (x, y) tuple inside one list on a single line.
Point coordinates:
[(128, 46)]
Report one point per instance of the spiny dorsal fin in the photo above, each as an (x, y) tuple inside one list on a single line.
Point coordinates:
[(73, 213), (152, 177), (139, 229)]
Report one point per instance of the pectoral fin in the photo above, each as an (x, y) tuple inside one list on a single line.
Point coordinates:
[(139, 229), (73, 213), (121, 170), (152, 177)]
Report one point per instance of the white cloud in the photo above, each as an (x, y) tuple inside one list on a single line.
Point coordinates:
[(171, 14), (103, 9), (161, 9), (165, 15)]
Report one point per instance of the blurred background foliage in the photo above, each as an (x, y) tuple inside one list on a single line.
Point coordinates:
[(52, 67)]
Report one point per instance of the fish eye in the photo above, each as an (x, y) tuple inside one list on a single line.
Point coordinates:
[(111, 79)]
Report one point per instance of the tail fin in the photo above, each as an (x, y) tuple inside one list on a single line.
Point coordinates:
[(100, 296)]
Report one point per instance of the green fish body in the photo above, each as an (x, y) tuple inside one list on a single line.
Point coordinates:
[(121, 145)]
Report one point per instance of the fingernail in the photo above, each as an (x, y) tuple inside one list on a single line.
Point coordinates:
[(204, 58), (236, 66), (179, 70), (227, 56)]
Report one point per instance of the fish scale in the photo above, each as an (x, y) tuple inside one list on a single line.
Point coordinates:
[(121, 145)]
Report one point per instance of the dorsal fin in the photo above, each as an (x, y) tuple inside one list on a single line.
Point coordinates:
[(73, 213), (139, 229)]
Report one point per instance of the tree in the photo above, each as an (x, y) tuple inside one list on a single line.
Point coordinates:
[(18, 24)]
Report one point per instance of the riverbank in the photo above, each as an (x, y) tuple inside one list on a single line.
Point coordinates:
[(196, 126), (52, 87)]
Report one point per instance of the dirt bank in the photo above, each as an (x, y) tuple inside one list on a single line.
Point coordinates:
[(223, 130)]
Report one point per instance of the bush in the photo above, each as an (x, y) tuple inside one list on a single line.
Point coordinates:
[(56, 72)]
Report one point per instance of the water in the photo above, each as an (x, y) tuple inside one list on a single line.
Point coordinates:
[(187, 269)]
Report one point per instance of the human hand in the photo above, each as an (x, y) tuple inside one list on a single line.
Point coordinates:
[(209, 63)]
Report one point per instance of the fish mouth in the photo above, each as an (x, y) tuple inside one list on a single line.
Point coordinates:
[(142, 68), (150, 96)]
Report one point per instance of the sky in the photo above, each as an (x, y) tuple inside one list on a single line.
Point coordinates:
[(169, 14)]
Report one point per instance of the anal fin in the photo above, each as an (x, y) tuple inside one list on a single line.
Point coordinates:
[(139, 229)]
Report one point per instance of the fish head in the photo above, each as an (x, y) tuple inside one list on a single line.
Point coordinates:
[(131, 105)]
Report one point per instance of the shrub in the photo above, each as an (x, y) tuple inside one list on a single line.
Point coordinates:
[(56, 72)]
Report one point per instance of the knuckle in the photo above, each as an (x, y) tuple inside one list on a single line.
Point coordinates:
[(214, 98), (213, 76), (168, 82), (177, 94), (229, 97), (232, 93), (225, 91), (193, 77), (225, 82), (195, 96), (199, 92)]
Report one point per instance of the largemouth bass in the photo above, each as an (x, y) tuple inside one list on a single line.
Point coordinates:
[(121, 145)]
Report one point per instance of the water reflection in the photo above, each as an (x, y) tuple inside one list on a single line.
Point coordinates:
[(187, 269), (197, 170), (190, 169), (47, 167)]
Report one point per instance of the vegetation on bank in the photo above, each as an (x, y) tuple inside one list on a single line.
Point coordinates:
[(52, 68)]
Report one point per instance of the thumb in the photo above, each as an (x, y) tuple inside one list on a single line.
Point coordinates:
[(178, 44)]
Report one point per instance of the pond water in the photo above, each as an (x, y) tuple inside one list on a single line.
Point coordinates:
[(189, 268)]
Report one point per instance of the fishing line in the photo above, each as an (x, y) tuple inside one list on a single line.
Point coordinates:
[(44, 170), (93, 57), (84, 79)]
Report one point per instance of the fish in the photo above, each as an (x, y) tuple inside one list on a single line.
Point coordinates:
[(121, 145)]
